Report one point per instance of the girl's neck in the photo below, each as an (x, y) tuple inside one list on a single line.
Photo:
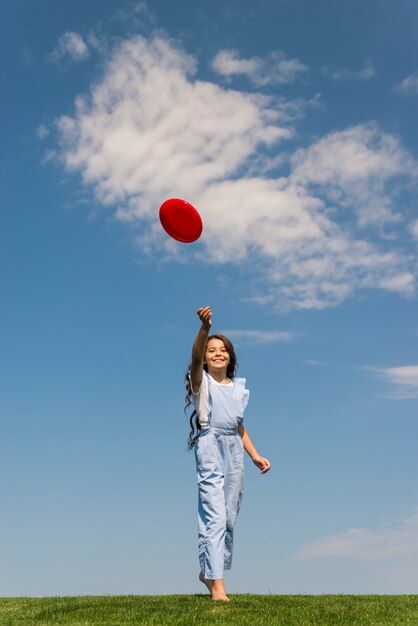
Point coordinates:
[(220, 377)]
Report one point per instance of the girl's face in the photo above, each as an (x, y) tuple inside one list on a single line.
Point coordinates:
[(216, 355)]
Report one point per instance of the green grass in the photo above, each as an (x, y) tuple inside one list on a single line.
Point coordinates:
[(181, 610)]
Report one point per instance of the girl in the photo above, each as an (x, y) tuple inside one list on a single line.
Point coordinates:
[(219, 441)]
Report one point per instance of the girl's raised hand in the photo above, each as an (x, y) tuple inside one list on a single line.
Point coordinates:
[(205, 316), (262, 464)]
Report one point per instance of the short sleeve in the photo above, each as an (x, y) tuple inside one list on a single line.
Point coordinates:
[(245, 394), (201, 400)]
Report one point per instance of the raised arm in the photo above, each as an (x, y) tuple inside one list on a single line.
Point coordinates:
[(199, 347)]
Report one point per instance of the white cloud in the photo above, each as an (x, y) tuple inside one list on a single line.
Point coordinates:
[(354, 168), (228, 63), (366, 73), (389, 541), (70, 45), (276, 70), (95, 42), (42, 131), (311, 262), (404, 378), (150, 130), (414, 229), (260, 336), (136, 14), (409, 85)]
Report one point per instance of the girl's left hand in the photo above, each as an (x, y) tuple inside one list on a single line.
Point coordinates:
[(262, 464)]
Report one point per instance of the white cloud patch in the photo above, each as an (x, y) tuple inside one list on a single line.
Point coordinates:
[(414, 229), (276, 70), (260, 336), (404, 379), (354, 168), (150, 129), (72, 46), (409, 85), (366, 73), (136, 14), (388, 541), (42, 131)]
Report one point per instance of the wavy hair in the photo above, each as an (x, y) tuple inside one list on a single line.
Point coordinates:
[(231, 371)]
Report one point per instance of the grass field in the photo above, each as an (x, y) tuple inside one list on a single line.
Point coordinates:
[(251, 610)]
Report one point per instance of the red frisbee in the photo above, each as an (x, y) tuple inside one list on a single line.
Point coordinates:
[(180, 220)]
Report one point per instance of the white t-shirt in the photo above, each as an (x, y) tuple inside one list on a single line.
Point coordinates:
[(201, 400)]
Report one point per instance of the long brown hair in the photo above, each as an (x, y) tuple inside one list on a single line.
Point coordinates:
[(230, 372)]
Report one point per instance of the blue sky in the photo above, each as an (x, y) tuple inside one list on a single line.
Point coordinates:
[(291, 127)]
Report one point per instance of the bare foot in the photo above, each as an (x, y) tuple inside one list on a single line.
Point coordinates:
[(220, 596), (218, 591), (206, 582)]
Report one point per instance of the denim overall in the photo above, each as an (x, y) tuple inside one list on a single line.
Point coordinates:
[(219, 456)]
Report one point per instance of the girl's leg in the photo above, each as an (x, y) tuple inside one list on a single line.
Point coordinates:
[(212, 515), (206, 582), (211, 510), (234, 485), (211, 524), (216, 588)]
